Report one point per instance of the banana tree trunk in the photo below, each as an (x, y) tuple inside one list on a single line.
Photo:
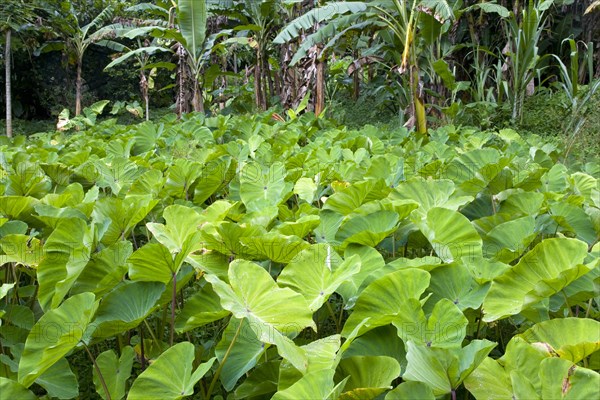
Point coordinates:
[(259, 87), (145, 93), (418, 103), (7, 67), (198, 100), (78, 86)]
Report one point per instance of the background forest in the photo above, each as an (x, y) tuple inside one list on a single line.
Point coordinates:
[(478, 63)]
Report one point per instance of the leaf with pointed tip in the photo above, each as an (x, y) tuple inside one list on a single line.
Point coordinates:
[(275, 246), (445, 327), (181, 224), (105, 270), (242, 356), (507, 241), (368, 230), (545, 270), (14, 390), (371, 263), (384, 299), (59, 380), (151, 263), (261, 187), (367, 374), (316, 273), (66, 253), (444, 369), (451, 234), (562, 379), (321, 356), (125, 307), (201, 308), (455, 282), (54, 335), (170, 376), (272, 312), (115, 371)]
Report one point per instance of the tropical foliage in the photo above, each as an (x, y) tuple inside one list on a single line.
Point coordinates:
[(256, 237), (218, 256)]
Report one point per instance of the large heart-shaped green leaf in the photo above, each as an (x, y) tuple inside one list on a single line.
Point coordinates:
[(115, 372), (14, 390), (444, 369), (125, 307), (170, 376), (242, 348), (454, 282), (583, 338), (368, 230), (348, 199), (54, 335), (508, 240), (261, 187), (321, 356), (445, 327), (201, 308), (451, 234), (384, 299), (317, 272), (429, 194), (275, 246), (372, 373), (562, 379), (122, 215), (152, 262), (272, 312), (105, 269), (545, 270), (66, 254)]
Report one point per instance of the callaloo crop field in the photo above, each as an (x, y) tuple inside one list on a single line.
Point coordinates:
[(300, 200)]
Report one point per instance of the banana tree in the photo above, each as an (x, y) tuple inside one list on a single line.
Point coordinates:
[(13, 15), (192, 17), (334, 16), (141, 54)]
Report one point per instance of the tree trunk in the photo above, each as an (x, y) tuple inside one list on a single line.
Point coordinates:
[(418, 103), (198, 100), (7, 67), (356, 78), (320, 83), (258, 83), (78, 86), (145, 93)]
